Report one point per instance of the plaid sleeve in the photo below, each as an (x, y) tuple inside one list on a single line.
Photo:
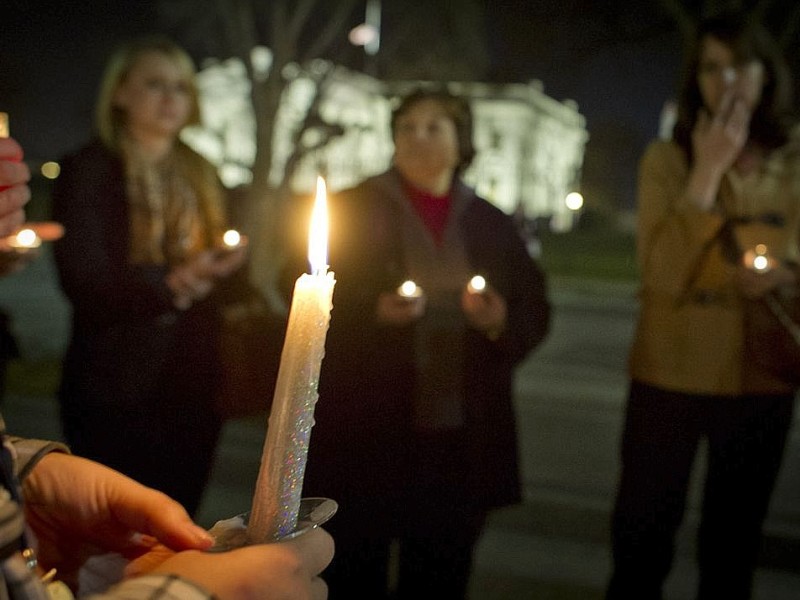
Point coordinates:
[(154, 587), (27, 453)]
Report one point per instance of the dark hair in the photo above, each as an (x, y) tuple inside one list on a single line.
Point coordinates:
[(457, 109), (749, 40)]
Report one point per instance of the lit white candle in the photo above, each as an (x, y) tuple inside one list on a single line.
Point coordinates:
[(276, 501)]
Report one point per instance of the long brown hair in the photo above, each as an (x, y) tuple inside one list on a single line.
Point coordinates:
[(749, 40)]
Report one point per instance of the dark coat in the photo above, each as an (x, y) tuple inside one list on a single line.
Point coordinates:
[(138, 375), (362, 441)]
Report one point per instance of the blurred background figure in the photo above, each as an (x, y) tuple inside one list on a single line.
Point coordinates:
[(415, 429), (728, 181), (141, 265)]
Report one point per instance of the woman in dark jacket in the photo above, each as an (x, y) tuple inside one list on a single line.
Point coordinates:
[(143, 216), (415, 429)]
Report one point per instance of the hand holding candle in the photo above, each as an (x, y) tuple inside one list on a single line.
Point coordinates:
[(401, 307), (484, 308), (276, 502), (23, 246)]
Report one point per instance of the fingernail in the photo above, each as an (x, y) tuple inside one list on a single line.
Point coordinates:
[(203, 537)]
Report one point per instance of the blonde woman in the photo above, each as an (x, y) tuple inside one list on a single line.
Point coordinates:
[(143, 216)]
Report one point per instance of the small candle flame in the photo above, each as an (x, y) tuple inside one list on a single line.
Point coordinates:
[(477, 284), (318, 232), (407, 288), (231, 238), (25, 238), (760, 261)]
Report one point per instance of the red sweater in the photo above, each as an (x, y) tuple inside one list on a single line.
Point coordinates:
[(433, 210)]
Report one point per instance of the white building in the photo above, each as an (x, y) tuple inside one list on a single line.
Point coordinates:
[(529, 146)]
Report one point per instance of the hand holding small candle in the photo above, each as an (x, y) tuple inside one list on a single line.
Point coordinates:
[(401, 307), (484, 308), (760, 272), (20, 248), (276, 502)]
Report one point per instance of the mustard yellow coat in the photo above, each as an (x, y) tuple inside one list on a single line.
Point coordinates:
[(689, 337)]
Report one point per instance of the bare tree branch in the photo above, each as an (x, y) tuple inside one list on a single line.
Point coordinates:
[(302, 12), (789, 32), (333, 28), (684, 20)]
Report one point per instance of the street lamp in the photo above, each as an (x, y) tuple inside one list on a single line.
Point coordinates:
[(368, 34)]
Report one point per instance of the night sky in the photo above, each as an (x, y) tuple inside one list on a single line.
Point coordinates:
[(51, 59)]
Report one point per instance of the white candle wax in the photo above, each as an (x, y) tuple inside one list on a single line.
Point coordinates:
[(276, 501)]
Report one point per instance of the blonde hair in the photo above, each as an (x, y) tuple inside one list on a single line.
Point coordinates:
[(110, 119)]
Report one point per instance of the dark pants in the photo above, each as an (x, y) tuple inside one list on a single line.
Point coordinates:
[(434, 530), (156, 422), (746, 439)]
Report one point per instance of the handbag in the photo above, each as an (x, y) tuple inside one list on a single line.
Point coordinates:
[(772, 335), (251, 338), (772, 322)]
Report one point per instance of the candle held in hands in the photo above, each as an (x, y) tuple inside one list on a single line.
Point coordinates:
[(276, 501)]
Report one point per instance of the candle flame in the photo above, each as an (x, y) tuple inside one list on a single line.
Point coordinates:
[(477, 284), (26, 238), (318, 232), (231, 238), (408, 288), (760, 262)]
